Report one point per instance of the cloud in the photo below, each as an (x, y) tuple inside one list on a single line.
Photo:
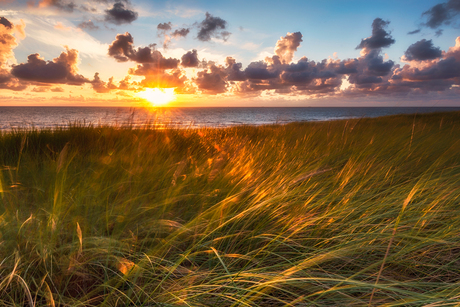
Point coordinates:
[(6, 23), (212, 27), (448, 68), (422, 50), (286, 46), (57, 89), (434, 74), (260, 70), (371, 70), (7, 41), (8, 82), (414, 32), (212, 80), (59, 4), (379, 38), (119, 15), (122, 47), (190, 59), (165, 26), (442, 14), (234, 72), (102, 87), (164, 29), (62, 70), (180, 32), (88, 25)]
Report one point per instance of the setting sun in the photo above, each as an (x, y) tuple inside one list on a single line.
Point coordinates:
[(158, 97)]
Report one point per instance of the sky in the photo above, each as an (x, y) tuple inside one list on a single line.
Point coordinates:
[(194, 53)]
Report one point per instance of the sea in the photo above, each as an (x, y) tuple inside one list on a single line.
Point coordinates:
[(12, 118)]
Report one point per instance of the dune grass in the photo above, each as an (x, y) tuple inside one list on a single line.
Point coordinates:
[(342, 213)]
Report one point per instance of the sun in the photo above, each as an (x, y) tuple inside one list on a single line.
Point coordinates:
[(158, 96)]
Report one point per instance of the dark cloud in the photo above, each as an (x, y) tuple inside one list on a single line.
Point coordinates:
[(437, 15), (437, 75), (442, 14), (380, 38), (62, 69), (372, 72), (260, 71), (287, 45), (438, 33), (234, 72), (444, 69), (347, 67), (190, 59), (119, 15), (304, 77), (212, 27), (88, 25), (9, 82), (122, 47), (6, 23), (148, 55), (422, 50), (165, 26), (180, 33), (410, 80), (212, 80), (376, 66), (414, 32)]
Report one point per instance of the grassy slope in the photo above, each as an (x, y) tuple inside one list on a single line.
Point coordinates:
[(351, 212)]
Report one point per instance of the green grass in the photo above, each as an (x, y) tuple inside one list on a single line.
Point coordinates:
[(343, 213)]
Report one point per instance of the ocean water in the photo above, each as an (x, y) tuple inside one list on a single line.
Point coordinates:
[(52, 117)]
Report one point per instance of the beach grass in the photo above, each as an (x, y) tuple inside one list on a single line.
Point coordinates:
[(357, 212)]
